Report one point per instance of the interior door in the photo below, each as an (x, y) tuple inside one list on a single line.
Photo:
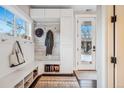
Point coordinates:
[(86, 43), (119, 47)]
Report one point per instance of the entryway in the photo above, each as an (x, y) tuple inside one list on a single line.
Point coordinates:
[(86, 50)]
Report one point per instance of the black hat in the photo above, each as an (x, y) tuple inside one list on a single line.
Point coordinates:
[(39, 32)]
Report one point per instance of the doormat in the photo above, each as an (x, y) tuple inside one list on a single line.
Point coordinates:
[(57, 82)]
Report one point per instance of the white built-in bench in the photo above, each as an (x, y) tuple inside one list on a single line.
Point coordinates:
[(21, 78), (86, 79)]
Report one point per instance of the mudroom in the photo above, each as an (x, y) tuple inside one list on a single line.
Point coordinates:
[(51, 46)]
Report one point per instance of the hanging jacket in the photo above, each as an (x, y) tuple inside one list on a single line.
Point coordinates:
[(49, 42)]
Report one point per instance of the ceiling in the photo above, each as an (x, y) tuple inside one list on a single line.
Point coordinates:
[(77, 8)]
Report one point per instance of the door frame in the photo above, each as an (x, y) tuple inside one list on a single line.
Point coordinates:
[(101, 46)]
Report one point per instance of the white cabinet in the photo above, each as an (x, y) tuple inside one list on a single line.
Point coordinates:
[(66, 59), (44, 13), (40, 67), (52, 13), (20, 84), (66, 12), (66, 35), (37, 13), (66, 30), (21, 78), (67, 39)]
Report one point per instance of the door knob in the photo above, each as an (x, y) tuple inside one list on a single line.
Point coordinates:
[(94, 48)]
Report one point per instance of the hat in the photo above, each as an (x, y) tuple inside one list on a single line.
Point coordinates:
[(39, 32)]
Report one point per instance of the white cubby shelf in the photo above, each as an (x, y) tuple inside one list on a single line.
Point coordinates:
[(21, 78)]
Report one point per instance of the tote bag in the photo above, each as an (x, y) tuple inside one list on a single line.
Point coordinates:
[(13, 59), (16, 57)]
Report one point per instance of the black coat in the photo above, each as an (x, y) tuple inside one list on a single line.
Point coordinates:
[(49, 42)]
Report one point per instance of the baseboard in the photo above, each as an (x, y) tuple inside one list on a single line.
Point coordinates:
[(58, 74), (86, 70)]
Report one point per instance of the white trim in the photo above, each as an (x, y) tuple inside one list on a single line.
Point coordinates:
[(101, 47), (84, 15)]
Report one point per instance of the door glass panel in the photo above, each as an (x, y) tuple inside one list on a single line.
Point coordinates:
[(86, 30)]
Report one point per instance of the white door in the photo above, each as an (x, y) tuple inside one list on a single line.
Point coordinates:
[(86, 43)]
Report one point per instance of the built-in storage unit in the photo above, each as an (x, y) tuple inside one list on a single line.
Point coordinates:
[(21, 78), (67, 40), (28, 80), (45, 13), (61, 23), (40, 48), (20, 84)]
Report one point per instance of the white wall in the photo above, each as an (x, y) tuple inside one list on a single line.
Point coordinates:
[(6, 47), (101, 47), (25, 8)]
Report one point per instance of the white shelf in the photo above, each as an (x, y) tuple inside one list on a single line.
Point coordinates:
[(28, 82), (20, 85), (28, 77), (18, 78)]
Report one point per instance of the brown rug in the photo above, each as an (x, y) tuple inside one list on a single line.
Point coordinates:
[(57, 82)]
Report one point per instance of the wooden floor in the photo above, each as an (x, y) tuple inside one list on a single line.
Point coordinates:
[(56, 82)]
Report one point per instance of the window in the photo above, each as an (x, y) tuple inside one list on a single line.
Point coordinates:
[(2, 14), (10, 24), (9, 29), (6, 21), (2, 19), (20, 27)]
